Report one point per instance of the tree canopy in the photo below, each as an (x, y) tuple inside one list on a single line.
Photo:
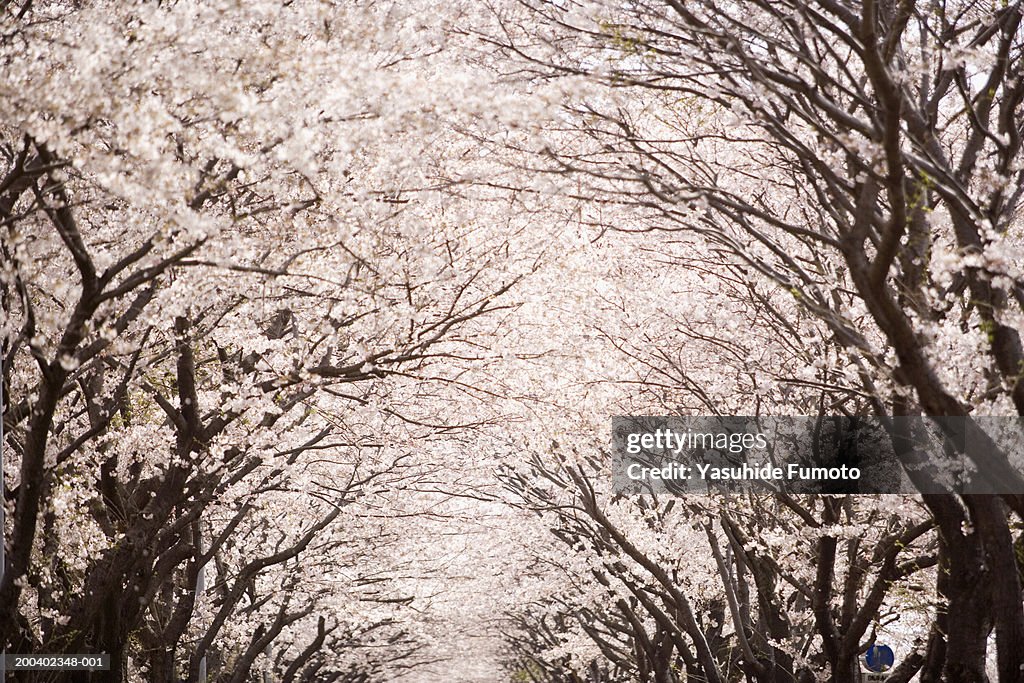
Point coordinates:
[(316, 316)]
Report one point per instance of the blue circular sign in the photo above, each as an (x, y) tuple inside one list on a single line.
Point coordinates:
[(879, 658)]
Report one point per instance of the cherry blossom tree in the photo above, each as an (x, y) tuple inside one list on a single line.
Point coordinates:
[(863, 158), (224, 288)]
